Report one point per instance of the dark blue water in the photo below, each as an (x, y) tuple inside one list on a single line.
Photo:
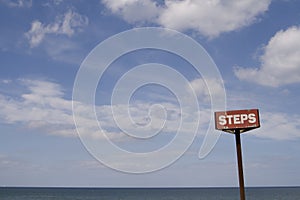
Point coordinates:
[(287, 193)]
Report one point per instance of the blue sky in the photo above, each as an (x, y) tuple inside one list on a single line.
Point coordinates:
[(255, 45)]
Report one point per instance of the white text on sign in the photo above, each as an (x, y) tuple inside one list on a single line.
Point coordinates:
[(237, 119)]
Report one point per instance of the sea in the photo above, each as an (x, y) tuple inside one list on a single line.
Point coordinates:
[(261, 193)]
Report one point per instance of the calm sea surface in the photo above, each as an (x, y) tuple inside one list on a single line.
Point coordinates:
[(287, 193)]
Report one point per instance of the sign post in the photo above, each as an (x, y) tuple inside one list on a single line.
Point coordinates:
[(237, 122), (240, 163)]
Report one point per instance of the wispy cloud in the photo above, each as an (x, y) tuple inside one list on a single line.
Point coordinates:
[(53, 2), (67, 24), (134, 11), (280, 61), (279, 126), (207, 17), (18, 3), (203, 92), (43, 106), (6, 162)]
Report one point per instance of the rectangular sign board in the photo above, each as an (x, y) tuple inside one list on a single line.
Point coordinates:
[(243, 120)]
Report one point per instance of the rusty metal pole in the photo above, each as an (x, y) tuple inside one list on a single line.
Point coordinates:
[(240, 163)]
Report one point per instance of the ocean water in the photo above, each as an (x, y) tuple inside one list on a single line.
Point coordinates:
[(284, 193)]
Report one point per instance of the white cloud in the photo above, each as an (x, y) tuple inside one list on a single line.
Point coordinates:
[(67, 24), (7, 163), (52, 3), (44, 107), (280, 61), (57, 2), (211, 17), (208, 17), (278, 126), (203, 92), (5, 81), (134, 11), (18, 3), (68, 51)]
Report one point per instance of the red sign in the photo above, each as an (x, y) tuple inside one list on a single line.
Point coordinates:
[(243, 120)]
